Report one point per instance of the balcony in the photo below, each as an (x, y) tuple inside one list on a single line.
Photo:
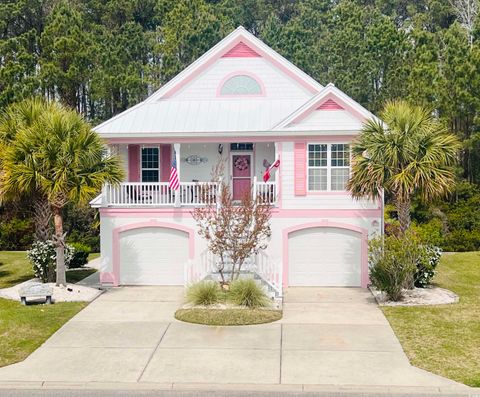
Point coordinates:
[(148, 165), (158, 194)]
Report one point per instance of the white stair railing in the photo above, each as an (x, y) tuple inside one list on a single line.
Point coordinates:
[(269, 271), (196, 271)]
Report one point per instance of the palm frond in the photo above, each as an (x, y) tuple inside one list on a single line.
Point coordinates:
[(410, 152)]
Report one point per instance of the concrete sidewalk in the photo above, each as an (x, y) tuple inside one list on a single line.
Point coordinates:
[(329, 337)]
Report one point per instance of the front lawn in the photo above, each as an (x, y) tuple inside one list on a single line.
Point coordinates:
[(24, 328), (446, 339), (15, 268)]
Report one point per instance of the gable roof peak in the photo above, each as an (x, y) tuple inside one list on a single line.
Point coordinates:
[(330, 92), (240, 34)]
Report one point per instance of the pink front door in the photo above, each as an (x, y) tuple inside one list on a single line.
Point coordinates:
[(241, 174)]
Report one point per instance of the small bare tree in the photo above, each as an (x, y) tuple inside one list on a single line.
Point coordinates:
[(234, 231), (467, 12)]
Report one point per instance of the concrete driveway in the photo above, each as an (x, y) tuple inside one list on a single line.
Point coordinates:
[(128, 336)]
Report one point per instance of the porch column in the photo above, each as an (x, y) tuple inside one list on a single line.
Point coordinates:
[(277, 174), (176, 147)]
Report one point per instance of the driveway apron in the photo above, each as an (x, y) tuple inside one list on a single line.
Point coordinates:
[(328, 336)]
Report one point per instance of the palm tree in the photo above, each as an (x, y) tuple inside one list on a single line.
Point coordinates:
[(409, 152), (16, 117), (63, 159)]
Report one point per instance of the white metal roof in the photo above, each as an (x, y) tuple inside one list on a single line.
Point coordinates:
[(170, 116), (331, 120), (165, 116)]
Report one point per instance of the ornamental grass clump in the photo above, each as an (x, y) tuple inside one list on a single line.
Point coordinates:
[(204, 293), (246, 292)]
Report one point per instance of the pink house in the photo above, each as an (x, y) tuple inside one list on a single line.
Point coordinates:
[(244, 103)]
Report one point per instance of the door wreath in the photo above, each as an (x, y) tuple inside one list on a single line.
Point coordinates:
[(241, 163)]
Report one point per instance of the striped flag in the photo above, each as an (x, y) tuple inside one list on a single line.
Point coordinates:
[(174, 183), (266, 176)]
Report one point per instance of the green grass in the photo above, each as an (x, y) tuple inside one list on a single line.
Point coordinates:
[(24, 328), (228, 316), (76, 275), (93, 255), (14, 268), (446, 339)]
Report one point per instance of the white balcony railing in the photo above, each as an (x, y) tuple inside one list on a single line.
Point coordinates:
[(266, 190), (139, 194), (158, 194)]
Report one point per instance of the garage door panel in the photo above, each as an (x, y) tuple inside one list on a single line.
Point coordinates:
[(153, 256), (324, 257)]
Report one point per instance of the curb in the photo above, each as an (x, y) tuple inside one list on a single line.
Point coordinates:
[(50, 385)]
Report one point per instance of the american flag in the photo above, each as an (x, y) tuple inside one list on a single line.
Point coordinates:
[(174, 183), (266, 175)]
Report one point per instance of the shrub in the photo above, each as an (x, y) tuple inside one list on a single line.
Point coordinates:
[(246, 292), (431, 232), (393, 264), (462, 240), (80, 255), (204, 293), (16, 234), (82, 226), (43, 257), (426, 265), (91, 241)]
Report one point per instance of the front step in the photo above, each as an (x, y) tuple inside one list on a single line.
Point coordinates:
[(271, 293)]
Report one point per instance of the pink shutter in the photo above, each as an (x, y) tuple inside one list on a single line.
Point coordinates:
[(133, 163), (165, 162), (300, 167)]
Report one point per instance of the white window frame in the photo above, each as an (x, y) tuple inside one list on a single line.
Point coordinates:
[(149, 169), (328, 167)]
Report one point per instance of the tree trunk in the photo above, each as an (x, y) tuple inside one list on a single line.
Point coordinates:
[(60, 243), (403, 213), (42, 219)]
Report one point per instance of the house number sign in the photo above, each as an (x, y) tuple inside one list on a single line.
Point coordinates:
[(195, 159)]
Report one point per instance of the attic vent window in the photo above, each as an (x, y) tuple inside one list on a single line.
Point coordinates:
[(241, 85)]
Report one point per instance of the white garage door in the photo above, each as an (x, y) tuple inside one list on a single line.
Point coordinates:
[(153, 256), (324, 256)]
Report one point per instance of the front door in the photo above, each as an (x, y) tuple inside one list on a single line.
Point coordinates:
[(241, 174)]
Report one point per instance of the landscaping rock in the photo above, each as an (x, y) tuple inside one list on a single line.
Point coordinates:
[(71, 293), (418, 297)]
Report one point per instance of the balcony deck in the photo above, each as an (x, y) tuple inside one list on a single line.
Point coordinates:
[(158, 194)]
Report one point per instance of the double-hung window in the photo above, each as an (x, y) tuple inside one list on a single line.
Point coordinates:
[(150, 164), (328, 166), (317, 167)]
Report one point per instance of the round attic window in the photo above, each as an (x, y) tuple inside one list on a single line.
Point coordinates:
[(241, 85)]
